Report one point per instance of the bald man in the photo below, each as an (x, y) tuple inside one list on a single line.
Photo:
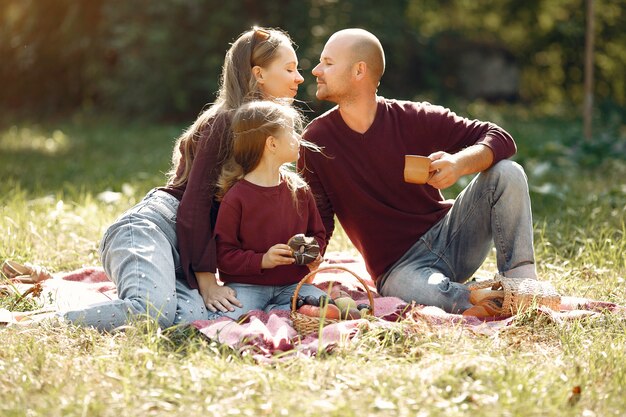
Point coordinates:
[(416, 245)]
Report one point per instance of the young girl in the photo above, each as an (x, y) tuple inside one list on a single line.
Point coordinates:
[(264, 204)]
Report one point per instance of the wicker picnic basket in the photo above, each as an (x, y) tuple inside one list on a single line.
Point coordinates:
[(520, 293), (306, 325)]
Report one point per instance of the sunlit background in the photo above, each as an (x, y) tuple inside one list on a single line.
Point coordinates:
[(162, 59)]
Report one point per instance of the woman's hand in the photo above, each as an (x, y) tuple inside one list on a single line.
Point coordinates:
[(279, 254), (216, 297), (316, 263)]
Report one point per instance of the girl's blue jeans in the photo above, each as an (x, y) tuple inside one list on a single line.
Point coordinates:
[(494, 209), (265, 297)]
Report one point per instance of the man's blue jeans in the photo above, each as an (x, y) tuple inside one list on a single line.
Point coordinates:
[(494, 209)]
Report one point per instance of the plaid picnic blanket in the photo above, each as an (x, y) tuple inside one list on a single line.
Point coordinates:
[(266, 336)]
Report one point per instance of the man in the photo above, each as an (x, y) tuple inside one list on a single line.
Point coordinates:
[(416, 245)]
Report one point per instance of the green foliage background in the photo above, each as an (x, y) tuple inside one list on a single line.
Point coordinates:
[(162, 59)]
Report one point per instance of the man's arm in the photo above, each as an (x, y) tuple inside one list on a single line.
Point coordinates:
[(462, 146), (324, 207), (446, 169)]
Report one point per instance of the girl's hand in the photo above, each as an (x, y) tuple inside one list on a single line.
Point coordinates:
[(279, 254), (216, 297), (316, 263)]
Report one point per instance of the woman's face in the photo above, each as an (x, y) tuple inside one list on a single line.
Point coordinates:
[(280, 79)]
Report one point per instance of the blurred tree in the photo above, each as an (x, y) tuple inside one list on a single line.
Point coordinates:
[(545, 38), (163, 59), (48, 51)]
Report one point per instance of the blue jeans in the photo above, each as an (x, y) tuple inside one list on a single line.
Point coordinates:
[(493, 209), (139, 254), (265, 297)]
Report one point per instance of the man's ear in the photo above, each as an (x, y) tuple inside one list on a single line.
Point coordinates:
[(360, 69), (257, 73)]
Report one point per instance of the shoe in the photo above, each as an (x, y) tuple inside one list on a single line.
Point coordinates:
[(486, 303), (27, 273), (505, 296)]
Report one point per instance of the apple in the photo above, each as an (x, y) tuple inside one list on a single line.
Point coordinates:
[(353, 314), (330, 311), (345, 304)]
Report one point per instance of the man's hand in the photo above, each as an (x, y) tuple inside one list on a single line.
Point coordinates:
[(279, 254), (444, 170), (216, 297)]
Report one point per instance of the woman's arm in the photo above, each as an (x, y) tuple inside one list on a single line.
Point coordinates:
[(197, 209), (216, 297)]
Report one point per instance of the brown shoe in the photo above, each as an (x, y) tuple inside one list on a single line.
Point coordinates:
[(27, 273), (487, 303)]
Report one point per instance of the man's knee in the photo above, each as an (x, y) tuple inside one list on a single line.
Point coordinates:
[(508, 169), (509, 174), (427, 287)]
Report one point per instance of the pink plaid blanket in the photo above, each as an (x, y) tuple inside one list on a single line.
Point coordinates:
[(267, 336)]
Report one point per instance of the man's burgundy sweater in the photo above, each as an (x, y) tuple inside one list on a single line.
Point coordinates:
[(360, 177)]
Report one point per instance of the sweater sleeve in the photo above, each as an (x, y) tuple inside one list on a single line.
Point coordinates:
[(306, 166), (197, 210), (315, 225), (232, 258), (454, 133)]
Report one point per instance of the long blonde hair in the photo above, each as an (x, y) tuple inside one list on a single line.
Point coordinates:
[(255, 47), (251, 125)]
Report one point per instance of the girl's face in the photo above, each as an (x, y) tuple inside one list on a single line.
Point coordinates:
[(288, 146), (281, 78)]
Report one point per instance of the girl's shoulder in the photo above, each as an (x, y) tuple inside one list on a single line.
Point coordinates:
[(234, 193)]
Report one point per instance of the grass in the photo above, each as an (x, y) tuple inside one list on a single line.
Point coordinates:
[(53, 213)]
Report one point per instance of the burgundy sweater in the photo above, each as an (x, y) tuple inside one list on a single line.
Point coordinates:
[(252, 219), (198, 209), (359, 177)]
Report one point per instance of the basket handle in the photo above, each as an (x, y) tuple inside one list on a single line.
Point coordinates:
[(311, 274)]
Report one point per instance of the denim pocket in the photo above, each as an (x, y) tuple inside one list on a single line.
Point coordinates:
[(163, 205), (163, 209)]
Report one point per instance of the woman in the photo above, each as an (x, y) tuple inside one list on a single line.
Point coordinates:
[(161, 252)]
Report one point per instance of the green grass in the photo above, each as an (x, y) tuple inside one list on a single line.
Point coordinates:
[(52, 174)]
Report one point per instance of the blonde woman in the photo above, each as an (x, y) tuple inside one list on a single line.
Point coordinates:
[(161, 253)]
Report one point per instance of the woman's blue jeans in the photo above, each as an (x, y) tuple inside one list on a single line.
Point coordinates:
[(139, 254), (494, 209)]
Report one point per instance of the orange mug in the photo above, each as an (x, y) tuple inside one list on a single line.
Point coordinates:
[(416, 169)]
